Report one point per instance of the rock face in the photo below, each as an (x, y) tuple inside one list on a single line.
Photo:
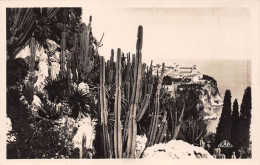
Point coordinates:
[(86, 128), (43, 69), (176, 149), (210, 99), (54, 65)]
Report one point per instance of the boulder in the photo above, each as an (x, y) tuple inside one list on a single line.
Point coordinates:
[(176, 149)]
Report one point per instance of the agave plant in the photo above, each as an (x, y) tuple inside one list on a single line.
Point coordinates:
[(79, 101), (56, 88), (49, 109)]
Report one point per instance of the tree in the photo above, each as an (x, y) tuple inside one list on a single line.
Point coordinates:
[(245, 121), (167, 80), (224, 125), (235, 127)]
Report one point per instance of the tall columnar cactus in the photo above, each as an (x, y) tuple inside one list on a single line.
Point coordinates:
[(83, 150), (110, 66), (85, 51), (133, 88), (32, 76), (117, 108), (179, 122), (162, 129), (63, 53), (20, 26), (74, 58), (68, 59), (132, 126), (103, 110), (195, 129), (155, 119), (32, 56)]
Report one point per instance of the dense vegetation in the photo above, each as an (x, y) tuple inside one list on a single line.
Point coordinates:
[(235, 127)]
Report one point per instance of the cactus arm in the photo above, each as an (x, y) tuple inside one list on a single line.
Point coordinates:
[(145, 103)]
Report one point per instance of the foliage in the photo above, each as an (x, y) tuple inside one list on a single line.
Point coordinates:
[(193, 130), (42, 135), (61, 90), (208, 78), (191, 95), (235, 127), (224, 125), (27, 92), (17, 70), (79, 101), (50, 110), (48, 140), (56, 88), (245, 122), (167, 80), (44, 131), (210, 141), (42, 23), (213, 82)]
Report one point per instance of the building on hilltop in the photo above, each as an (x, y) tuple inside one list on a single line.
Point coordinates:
[(176, 71)]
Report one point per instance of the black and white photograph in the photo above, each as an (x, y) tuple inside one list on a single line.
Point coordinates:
[(121, 80)]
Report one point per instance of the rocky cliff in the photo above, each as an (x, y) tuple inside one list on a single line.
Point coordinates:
[(204, 93)]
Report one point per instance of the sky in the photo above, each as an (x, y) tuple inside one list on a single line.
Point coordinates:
[(217, 40), (174, 34)]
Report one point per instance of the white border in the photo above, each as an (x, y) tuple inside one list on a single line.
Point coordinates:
[(253, 5)]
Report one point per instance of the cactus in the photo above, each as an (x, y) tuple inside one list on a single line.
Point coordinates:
[(83, 151), (62, 53), (155, 118), (32, 57), (117, 109), (22, 21), (134, 85), (132, 125), (85, 51), (179, 122), (110, 67), (32, 76), (74, 58), (162, 129), (195, 130), (103, 110), (68, 65)]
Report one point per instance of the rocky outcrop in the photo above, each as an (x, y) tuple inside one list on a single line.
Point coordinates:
[(175, 149), (85, 127), (210, 98), (42, 73)]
